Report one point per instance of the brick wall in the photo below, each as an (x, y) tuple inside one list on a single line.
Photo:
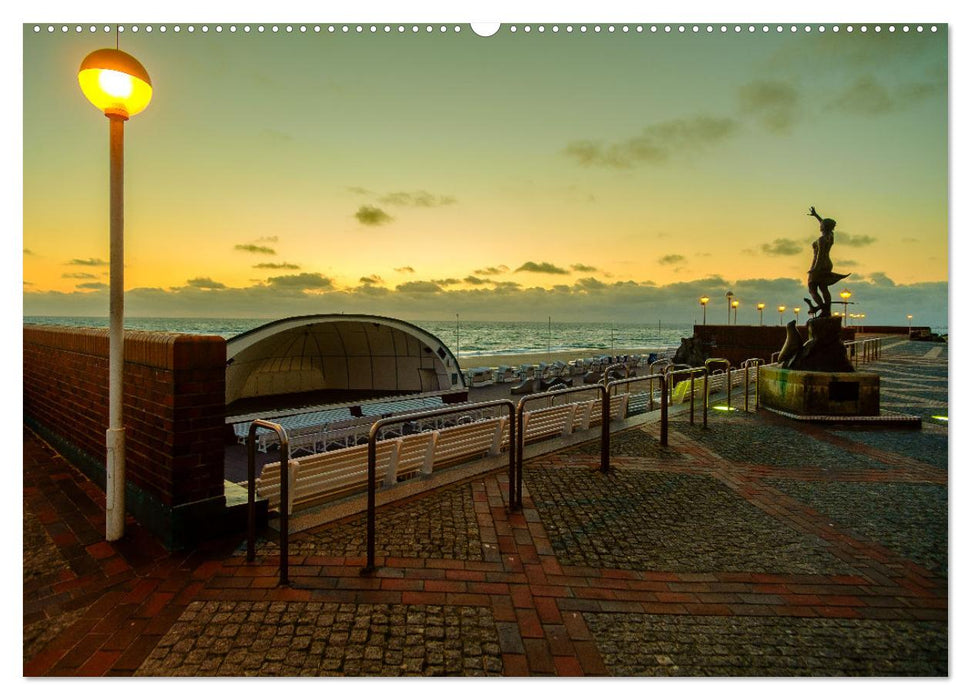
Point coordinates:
[(174, 413), (739, 343)]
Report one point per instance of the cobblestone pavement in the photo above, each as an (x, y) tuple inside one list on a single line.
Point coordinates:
[(755, 547)]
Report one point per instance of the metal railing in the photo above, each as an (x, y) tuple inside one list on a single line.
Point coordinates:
[(610, 368), (284, 495), (870, 349), (692, 372), (650, 390), (550, 395), (728, 382), (372, 462), (746, 365)]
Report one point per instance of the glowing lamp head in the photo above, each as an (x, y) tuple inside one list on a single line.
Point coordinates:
[(704, 300), (115, 82)]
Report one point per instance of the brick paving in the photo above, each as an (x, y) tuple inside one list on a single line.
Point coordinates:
[(757, 547)]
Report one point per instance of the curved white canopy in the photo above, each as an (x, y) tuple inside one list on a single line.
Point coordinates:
[(341, 352)]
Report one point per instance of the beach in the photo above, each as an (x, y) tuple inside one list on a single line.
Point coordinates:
[(534, 358)]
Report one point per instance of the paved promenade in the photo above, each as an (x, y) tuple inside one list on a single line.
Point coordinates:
[(757, 547)]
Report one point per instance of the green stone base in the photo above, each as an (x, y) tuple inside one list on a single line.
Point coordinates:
[(820, 393)]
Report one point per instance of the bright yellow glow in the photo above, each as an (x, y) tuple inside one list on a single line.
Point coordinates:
[(704, 300), (943, 418), (115, 82), (760, 306), (781, 309)]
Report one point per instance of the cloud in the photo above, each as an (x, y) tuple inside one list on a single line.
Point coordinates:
[(869, 97), (253, 248), (476, 280), (670, 259), (88, 262), (492, 270), (580, 267), (418, 287), (589, 284), (407, 269), (881, 280), (205, 283), (92, 285), (507, 286), (448, 282), (360, 190), (28, 251), (276, 266), (373, 216), (419, 198), (773, 104), (854, 241), (79, 276), (845, 263), (371, 279), (544, 267), (783, 246), (305, 280), (656, 143)]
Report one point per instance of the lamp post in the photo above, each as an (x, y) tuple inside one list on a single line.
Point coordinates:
[(729, 296), (704, 310), (845, 296), (781, 310), (735, 308), (118, 85), (760, 306), (795, 310), (910, 317)]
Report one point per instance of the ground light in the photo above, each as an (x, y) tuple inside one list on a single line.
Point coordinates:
[(119, 86), (940, 418), (723, 408)]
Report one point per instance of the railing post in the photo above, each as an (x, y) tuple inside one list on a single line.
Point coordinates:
[(605, 431), (691, 404), (704, 414), (728, 386), (515, 476), (251, 495), (745, 381), (284, 496), (372, 468), (664, 411), (284, 512)]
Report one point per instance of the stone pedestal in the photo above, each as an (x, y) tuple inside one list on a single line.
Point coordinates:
[(820, 393)]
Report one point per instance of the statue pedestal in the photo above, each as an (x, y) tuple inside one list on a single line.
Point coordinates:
[(809, 393)]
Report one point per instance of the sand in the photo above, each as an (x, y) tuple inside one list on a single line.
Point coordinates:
[(537, 357)]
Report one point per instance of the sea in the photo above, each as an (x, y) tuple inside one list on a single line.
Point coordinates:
[(464, 338)]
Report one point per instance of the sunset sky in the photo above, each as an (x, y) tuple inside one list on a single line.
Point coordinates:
[(424, 174)]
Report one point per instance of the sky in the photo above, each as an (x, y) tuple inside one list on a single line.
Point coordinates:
[(615, 175)]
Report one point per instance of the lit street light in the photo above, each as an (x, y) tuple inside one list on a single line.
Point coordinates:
[(760, 306), (704, 310), (845, 296), (781, 309), (795, 310), (118, 85), (735, 307), (910, 317), (729, 296)]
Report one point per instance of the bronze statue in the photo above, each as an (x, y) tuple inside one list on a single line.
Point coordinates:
[(821, 275)]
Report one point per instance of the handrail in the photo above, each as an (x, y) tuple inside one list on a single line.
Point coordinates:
[(650, 391), (604, 429), (728, 383), (752, 362), (284, 495), (691, 378), (372, 460), (617, 365)]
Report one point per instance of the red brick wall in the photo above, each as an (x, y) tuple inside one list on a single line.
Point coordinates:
[(739, 343), (174, 404)]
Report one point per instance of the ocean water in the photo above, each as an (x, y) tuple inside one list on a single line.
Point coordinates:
[(468, 338)]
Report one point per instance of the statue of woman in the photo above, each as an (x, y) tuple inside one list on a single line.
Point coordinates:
[(821, 274)]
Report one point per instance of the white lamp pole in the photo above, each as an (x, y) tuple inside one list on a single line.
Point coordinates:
[(118, 85)]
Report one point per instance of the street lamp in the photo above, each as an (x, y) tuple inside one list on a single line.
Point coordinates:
[(910, 317), (781, 309), (760, 306), (704, 310), (735, 307), (795, 310), (118, 85), (845, 296), (729, 296)]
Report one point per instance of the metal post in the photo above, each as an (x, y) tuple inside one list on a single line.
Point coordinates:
[(284, 512), (115, 436), (515, 477), (728, 387), (284, 495), (664, 411), (691, 388), (605, 432), (251, 497), (372, 468), (746, 387)]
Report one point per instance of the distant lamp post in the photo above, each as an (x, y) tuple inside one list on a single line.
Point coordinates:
[(118, 85), (910, 318), (735, 308), (845, 296), (704, 310), (729, 296), (781, 311), (795, 310), (760, 306)]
